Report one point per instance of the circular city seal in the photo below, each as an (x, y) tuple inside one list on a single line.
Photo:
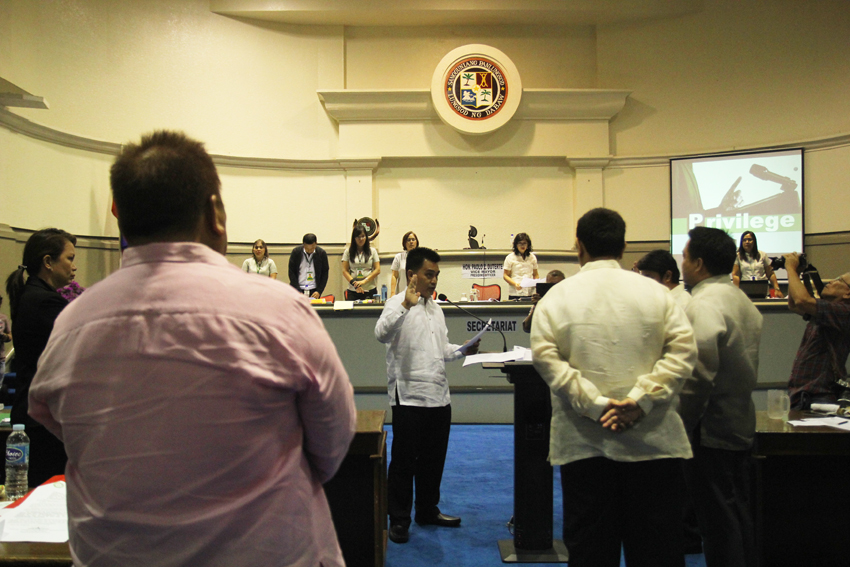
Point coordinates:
[(476, 89)]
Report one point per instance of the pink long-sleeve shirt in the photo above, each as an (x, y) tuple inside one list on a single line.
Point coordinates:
[(201, 410)]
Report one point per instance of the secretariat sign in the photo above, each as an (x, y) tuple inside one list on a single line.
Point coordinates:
[(476, 89)]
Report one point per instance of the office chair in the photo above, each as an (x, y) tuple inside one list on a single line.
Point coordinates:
[(486, 292)]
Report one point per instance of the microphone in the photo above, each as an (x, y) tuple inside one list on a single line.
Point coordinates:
[(761, 172), (442, 297)]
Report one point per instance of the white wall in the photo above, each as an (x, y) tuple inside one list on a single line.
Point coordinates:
[(45, 184), (826, 176), (405, 57), (112, 69), (282, 206), (440, 203), (642, 195), (736, 75)]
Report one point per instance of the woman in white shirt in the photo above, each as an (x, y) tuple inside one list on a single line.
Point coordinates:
[(360, 266), (753, 264), (260, 263), (521, 263), (408, 242)]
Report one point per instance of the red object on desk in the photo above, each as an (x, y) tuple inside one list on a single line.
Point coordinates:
[(51, 480), (486, 292)]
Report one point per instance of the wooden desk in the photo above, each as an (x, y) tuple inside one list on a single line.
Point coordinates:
[(357, 496), (801, 497), (35, 554)]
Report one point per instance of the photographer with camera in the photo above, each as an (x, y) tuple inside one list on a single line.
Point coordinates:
[(819, 374)]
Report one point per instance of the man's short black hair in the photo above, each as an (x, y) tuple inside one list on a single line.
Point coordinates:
[(416, 258), (160, 185), (309, 238), (602, 232), (660, 262), (716, 248)]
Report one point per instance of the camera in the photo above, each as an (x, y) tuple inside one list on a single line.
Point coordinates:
[(779, 263)]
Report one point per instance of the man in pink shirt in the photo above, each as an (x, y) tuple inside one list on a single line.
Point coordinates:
[(201, 408)]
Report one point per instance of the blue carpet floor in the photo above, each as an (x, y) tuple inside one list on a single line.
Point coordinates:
[(478, 487)]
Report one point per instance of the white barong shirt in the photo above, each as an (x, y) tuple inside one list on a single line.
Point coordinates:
[(418, 348), (611, 333)]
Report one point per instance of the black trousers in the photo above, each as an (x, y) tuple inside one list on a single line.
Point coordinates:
[(719, 482), (609, 504), (420, 441)]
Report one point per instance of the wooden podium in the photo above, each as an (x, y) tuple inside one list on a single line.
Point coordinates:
[(533, 508)]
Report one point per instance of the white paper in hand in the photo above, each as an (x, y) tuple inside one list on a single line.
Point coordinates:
[(463, 348)]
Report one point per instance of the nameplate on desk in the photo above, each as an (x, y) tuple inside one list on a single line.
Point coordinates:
[(343, 305), (481, 270)]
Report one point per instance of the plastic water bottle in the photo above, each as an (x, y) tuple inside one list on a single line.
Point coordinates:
[(511, 245), (17, 462), (384, 292)]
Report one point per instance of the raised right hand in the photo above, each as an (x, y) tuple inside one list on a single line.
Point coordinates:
[(411, 296)]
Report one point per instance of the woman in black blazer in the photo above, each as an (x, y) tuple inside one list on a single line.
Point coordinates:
[(35, 304)]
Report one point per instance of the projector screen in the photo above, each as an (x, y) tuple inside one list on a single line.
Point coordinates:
[(761, 192)]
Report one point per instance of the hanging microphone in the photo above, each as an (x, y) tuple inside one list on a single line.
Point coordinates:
[(442, 297)]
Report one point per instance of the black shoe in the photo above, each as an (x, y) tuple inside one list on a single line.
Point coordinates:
[(439, 519), (399, 533), (694, 547)]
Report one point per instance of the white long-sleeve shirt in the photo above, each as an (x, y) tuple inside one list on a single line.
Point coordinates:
[(718, 396), (417, 350), (610, 333)]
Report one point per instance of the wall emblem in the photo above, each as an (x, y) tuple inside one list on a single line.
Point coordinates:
[(476, 89)]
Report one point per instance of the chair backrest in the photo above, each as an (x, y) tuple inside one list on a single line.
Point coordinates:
[(328, 298), (485, 292)]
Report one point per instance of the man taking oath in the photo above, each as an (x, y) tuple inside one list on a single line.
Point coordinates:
[(414, 329)]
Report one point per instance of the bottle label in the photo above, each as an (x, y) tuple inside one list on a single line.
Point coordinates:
[(19, 455)]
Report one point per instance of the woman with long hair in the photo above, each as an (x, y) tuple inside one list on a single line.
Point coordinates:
[(360, 266), (521, 263), (35, 304), (408, 242), (753, 264), (259, 262)]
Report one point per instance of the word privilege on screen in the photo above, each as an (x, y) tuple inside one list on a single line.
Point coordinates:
[(769, 223)]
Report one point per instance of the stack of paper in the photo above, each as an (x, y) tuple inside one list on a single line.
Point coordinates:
[(836, 422), (519, 353), (42, 517)]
